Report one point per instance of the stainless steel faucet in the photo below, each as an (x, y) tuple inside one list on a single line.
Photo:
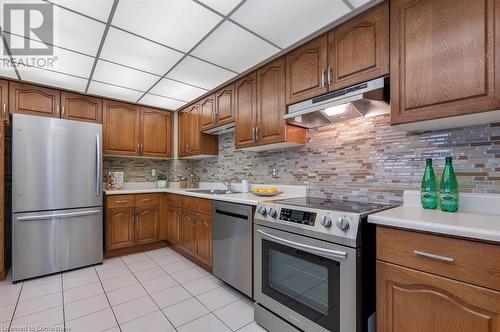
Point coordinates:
[(228, 186)]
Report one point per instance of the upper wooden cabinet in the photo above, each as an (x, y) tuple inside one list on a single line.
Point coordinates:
[(130, 130), (4, 100), (359, 49), (34, 100), (192, 143), (306, 69), (207, 106), (121, 128), (445, 58), (80, 107), (260, 119), (224, 106), (156, 133)]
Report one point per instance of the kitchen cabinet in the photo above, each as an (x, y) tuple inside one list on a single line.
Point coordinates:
[(173, 224), (260, 124), (156, 133), (207, 106), (81, 108), (457, 290), (192, 143), (131, 130), (34, 100), (445, 59), (369, 32), (132, 221), (306, 68), (121, 129), (187, 230), (224, 106), (4, 100), (3, 233), (202, 238)]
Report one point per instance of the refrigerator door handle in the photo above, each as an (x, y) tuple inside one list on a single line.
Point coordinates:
[(98, 166), (60, 215)]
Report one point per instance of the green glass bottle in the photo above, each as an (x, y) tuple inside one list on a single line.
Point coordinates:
[(448, 188), (428, 190)]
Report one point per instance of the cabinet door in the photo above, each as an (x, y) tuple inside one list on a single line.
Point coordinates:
[(306, 70), (2, 202), (33, 100), (121, 128), (368, 32), (173, 224), (224, 105), (194, 130), (207, 106), (444, 60), (413, 301), (146, 224), (186, 232), (271, 105), (120, 228), (203, 238), (81, 108), (4, 100), (183, 133), (245, 105), (156, 130)]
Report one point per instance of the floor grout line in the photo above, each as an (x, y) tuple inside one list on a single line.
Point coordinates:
[(62, 299), (15, 307), (109, 302)]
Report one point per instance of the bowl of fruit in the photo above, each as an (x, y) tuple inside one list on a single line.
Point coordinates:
[(266, 192)]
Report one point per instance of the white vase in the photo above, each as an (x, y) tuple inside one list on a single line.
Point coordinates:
[(162, 184)]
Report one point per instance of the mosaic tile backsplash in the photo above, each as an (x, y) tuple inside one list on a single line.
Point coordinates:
[(363, 159)]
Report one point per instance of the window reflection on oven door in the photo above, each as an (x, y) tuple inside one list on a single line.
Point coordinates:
[(308, 282)]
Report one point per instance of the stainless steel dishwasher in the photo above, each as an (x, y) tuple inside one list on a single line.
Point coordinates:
[(232, 248)]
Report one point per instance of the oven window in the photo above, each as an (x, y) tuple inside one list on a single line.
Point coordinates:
[(306, 283)]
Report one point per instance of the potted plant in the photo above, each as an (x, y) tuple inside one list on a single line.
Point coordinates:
[(162, 180)]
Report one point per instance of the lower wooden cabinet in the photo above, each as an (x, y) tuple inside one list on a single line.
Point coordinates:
[(424, 284), (132, 220), (186, 236), (203, 238), (173, 217)]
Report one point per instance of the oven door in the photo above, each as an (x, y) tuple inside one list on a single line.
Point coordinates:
[(310, 283)]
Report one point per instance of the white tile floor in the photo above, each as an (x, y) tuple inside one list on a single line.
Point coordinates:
[(156, 291)]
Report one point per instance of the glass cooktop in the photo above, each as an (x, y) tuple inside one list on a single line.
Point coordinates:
[(335, 205)]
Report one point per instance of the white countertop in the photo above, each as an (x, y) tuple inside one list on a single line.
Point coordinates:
[(242, 198), (478, 217)]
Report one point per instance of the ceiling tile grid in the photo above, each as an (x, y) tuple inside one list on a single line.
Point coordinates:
[(166, 53)]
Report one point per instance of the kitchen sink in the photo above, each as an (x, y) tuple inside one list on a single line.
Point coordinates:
[(214, 191)]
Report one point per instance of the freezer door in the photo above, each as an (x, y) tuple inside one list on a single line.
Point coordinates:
[(56, 164), (54, 241)]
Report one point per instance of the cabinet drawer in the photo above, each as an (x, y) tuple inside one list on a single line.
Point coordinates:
[(120, 201), (147, 199), (200, 205), (174, 200), (464, 260)]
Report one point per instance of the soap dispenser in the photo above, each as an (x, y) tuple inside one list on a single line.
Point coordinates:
[(245, 187)]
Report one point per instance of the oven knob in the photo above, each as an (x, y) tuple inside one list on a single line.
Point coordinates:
[(261, 210), (272, 212), (343, 224), (326, 221)]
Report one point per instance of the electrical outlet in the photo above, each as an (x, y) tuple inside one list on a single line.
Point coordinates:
[(153, 172), (275, 173)]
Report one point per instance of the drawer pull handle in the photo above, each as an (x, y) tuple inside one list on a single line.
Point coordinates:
[(120, 202), (433, 256), (147, 200)]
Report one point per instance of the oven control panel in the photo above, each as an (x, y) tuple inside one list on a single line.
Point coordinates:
[(297, 216)]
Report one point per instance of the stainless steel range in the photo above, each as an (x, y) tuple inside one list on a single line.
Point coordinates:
[(314, 265)]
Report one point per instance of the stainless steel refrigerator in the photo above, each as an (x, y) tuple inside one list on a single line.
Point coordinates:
[(56, 195)]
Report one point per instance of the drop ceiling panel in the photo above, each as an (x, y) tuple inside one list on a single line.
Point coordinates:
[(222, 6), (179, 23), (111, 91), (5, 69), (51, 78), (199, 73), (136, 52), (122, 76), (158, 101), (285, 22), (234, 48), (173, 89), (98, 9)]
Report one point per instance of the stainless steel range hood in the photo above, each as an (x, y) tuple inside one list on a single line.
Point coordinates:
[(362, 100)]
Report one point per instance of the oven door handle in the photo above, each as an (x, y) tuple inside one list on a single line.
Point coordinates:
[(306, 247)]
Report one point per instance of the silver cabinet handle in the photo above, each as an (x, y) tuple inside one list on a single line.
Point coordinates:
[(62, 112), (98, 165), (58, 110), (329, 80), (253, 134), (306, 247), (60, 215), (433, 256), (257, 132), (120, 202), (323, 78), (4, 110)]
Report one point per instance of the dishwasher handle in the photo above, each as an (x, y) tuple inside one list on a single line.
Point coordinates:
[(231, 214)]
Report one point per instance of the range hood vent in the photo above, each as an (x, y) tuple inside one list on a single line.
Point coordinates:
[(227, 128), (362, 100)]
